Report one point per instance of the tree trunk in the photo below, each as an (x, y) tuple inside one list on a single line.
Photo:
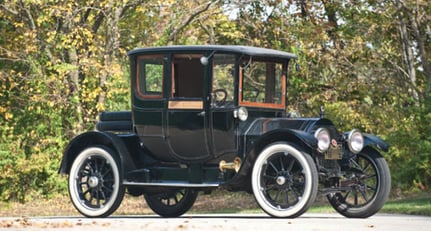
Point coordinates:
[(111, 49), (78, 125)]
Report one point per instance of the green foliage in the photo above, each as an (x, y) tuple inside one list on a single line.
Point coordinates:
[(413, 151), (63, 62)]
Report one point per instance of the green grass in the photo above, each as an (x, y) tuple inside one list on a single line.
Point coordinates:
[(420, 205), (217, 202), (411, 205)]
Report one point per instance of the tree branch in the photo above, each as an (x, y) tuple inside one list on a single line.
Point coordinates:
[(10, 11), (189, 20)]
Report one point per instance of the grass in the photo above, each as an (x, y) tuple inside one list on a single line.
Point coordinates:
[(413, 204), (217, 202)]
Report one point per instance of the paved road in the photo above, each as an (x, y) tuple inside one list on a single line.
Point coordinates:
[(248, 222)]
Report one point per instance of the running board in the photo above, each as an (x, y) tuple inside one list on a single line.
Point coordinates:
[(172, 184)]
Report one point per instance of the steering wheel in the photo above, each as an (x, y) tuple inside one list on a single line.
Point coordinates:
[(220, 96)]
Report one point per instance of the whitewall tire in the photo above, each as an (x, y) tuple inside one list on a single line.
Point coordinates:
[(284, 180), (95, 188)]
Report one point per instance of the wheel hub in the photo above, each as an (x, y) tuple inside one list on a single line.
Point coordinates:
[(93, 181), (281, 180)]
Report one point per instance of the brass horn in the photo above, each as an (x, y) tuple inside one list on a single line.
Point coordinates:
[(235, 165)]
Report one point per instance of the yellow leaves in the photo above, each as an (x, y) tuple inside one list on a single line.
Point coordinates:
[(64, 68), (90, 95), (100, 107), (26, 41), (8, 115), (51, 103), (140, 9), (19, 25)]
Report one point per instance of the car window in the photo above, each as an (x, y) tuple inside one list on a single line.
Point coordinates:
[(188, 75), (262, 83), (223, 77), (150, 76)]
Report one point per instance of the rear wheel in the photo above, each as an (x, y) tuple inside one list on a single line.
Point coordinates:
[(368, 181), (94, 182), (173, 202), (284, 180)]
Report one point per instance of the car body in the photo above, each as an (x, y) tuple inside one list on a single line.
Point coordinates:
[(214, 116)]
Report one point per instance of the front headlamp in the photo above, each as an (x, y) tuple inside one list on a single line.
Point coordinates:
[(355, 141), (241, 113), (323, 139)]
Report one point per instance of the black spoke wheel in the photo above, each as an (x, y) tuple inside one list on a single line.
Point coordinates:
[(368, 184), (94, 182), (172, 202), (284, 180)]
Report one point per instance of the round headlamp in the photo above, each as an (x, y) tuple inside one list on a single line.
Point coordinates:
[(323, 139), (355, 141), (241, 113)]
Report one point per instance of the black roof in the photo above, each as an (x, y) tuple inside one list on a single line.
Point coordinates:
[(246, 50)]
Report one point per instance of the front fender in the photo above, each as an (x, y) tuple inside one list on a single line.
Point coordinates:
[(93, 138), (370, 140), (302, 140)]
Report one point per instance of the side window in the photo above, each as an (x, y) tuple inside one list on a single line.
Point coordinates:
[(223, 77), (187, 76), (150, 76), (262, 82)]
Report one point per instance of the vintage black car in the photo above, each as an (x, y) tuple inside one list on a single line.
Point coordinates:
[(213, 116)]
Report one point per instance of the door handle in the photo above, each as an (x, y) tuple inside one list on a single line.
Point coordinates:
[(202, 113)]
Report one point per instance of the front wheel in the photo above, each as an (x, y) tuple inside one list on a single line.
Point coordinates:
[(284, 180), (94, 182), (172, 202), (368, 184)]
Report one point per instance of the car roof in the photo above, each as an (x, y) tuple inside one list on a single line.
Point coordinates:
[(246, 50)]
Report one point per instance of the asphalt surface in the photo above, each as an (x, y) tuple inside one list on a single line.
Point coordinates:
[(308, 221)]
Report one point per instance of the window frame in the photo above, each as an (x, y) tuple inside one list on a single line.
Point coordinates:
[(214, 77), (282, 103), (139, 91), (180, 56), (184, 102)]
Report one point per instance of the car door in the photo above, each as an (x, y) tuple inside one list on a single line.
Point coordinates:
[(149, 73), (223, 126), (187, 119)]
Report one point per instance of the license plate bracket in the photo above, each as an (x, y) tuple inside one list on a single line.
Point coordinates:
[(333, 153)]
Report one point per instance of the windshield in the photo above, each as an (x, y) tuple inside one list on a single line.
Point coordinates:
[(262, 83)]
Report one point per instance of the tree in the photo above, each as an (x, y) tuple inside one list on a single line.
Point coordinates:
[(367, 62), (59, 57), (61, 64), (413, 71)]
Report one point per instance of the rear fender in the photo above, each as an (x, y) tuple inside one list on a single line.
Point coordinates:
[(93, 138)]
